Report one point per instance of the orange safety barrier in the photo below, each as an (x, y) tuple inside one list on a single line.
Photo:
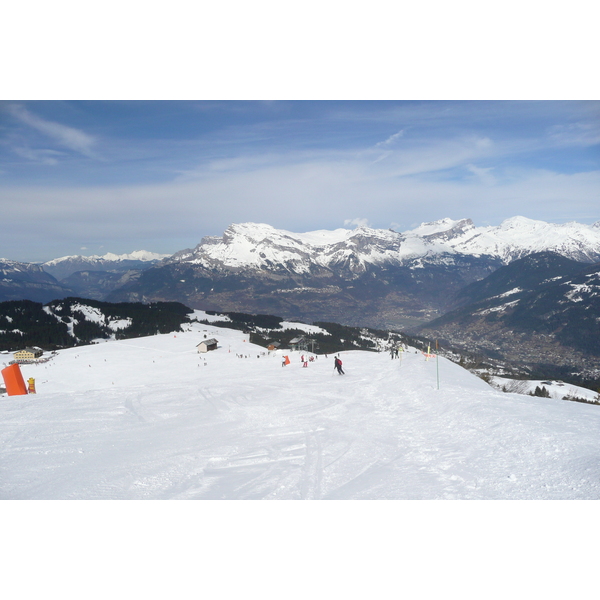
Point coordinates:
[(287, 360), (13, 379)]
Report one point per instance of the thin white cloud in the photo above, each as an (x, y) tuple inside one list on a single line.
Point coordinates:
[(576, 134), (435, 155), (43, 156), (358, 222), (68, 137), (390, 141)]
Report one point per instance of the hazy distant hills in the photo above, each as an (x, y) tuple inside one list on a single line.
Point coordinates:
[(63, 267), (96, 276), (98, 284), (29, 281)]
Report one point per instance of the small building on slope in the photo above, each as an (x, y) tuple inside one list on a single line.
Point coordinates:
[(207, 345), (28, 354)]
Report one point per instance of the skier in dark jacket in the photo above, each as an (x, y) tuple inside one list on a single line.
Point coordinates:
[(338, 365)]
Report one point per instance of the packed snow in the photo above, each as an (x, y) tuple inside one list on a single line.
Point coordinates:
[(151, 418), (556, 389)]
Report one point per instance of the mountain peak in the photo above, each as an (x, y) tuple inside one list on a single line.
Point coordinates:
[(441, 226), (520, 221)]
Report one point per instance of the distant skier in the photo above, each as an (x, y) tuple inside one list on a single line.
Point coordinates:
[(338, 365)]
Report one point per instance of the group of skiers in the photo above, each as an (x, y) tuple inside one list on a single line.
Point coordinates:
[(337, 363), (394, 351)]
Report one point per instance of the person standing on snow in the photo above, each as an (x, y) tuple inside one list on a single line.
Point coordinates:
[(338, 365)]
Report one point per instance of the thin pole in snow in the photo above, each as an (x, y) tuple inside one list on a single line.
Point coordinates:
[(437, 364)]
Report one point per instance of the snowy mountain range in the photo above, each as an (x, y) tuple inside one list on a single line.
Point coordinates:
[(363, 276), (260, 246), (374, 277)]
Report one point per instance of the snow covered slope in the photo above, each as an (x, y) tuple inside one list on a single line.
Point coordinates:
[(151, 418)]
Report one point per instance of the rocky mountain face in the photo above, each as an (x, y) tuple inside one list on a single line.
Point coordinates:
[(539, 310), (372, 277), (25, 280)]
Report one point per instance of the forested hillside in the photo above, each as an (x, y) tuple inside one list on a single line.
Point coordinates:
[(75, 321)]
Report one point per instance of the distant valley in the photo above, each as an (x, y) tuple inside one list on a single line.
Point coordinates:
[(541, 313)]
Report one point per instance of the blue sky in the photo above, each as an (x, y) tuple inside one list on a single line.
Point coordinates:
[(89, 177)]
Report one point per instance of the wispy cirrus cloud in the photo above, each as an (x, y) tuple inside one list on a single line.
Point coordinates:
[(391, 140), (576, 134), (44, 156), (63, 135), (171, 174)]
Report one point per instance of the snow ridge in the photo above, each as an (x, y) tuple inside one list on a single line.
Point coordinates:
[(141, 255), (261, 246)]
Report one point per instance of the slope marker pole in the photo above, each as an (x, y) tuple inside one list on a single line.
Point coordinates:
[(437, 364)]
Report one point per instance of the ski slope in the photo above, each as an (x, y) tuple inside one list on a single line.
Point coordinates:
[(150, 418)]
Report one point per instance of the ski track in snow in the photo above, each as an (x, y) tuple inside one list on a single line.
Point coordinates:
[(152, 419)]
